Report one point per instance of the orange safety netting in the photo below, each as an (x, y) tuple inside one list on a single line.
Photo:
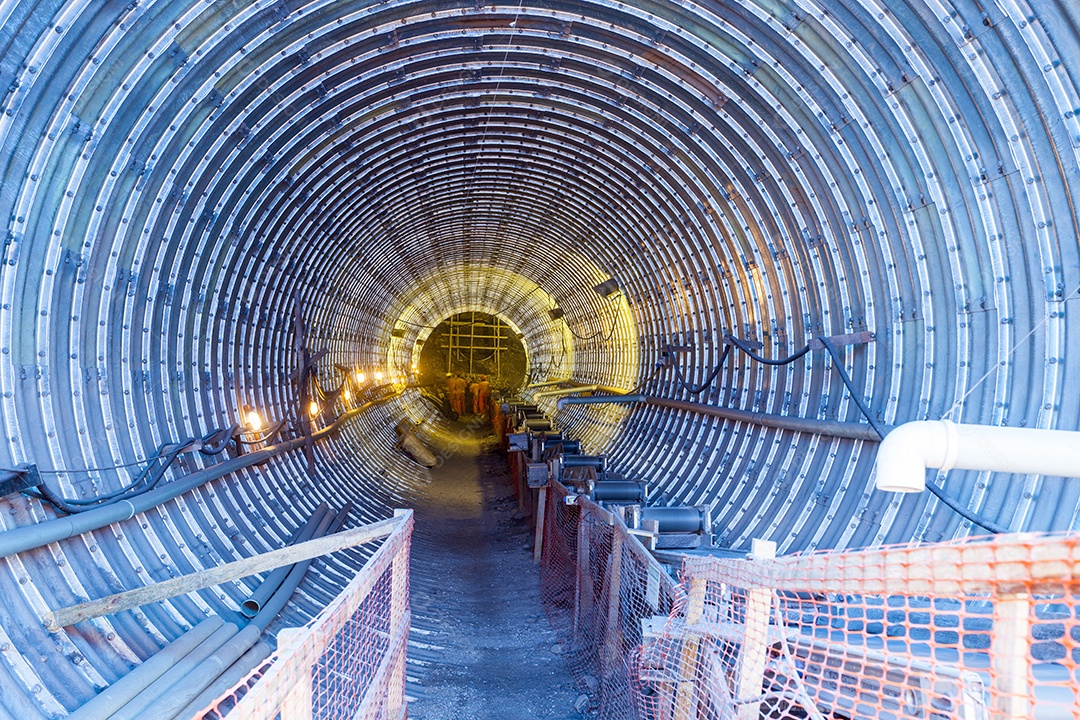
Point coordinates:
[(983, 628), (347, 663), (980, 629)]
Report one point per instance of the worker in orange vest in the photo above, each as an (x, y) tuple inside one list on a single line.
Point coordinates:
[(482, 396), (456, 388)]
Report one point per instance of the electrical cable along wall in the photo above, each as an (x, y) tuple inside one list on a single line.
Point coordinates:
[(177, 175)]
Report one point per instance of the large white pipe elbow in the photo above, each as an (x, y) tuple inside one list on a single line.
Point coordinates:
[(909, 450)]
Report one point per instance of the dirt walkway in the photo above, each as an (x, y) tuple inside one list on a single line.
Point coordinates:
[(481, 647)]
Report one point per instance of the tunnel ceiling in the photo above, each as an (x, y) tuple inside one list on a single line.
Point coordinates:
[(176, 174)]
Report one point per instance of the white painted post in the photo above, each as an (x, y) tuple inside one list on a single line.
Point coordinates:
[(298, 703), (755, 645)]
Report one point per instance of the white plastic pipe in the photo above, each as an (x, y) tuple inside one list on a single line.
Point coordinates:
[(906, 452)]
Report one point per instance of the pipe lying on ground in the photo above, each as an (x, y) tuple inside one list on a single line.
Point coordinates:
[(140, 705), (189, 687), (250, 607), (833, 428), (227, 680), (43, 533), (114, 697), (121, 692), (909, 450)]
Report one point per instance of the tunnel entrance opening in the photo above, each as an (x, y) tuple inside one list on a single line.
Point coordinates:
[(474, 344)]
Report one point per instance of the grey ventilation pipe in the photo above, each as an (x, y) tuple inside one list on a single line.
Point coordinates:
[(909, 450)]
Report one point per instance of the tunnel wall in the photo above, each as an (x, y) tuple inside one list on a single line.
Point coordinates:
[(175, 175)]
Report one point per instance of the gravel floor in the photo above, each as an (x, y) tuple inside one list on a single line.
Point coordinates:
[(481, 646)]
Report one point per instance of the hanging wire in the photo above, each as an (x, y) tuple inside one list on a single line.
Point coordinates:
[(157, 464), (933, 487), (708, 380), (749, 351)]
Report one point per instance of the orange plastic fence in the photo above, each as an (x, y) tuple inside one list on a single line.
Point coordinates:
[(348, 662), (980, 629), (983, 628)]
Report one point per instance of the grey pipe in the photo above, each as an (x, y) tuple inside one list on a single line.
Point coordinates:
[(43, 533), (833, 428), (276, 603), (114, 697), (189, 686), (598, 400), (139, 706), (250, 607), (227, 681)]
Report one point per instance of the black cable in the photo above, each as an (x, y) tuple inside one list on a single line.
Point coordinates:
[(144, 482), (224, 436), (72, 506), (708, 381), (937, 491), (270, 432), (746, 349)]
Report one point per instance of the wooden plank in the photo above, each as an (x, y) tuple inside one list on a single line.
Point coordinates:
[(613, 635), (210, 577), (688, 663), (755, 645), (541, 509)]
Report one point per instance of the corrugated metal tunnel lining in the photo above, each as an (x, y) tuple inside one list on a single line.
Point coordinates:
[(175, 173)]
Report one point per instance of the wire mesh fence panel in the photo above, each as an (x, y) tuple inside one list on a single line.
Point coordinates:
[(977, 629), (346, 664), (602, 592)]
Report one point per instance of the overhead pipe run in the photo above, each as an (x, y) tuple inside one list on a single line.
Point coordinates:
[(832, 428), (577, 388), (912, 448)]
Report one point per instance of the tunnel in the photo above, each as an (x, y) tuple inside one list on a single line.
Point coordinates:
[(203, 195)]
